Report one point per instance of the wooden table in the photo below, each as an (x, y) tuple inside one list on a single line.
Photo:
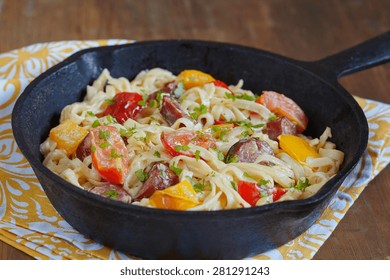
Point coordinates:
[(302, 29)]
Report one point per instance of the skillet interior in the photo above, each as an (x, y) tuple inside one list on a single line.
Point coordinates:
[(154, 233)]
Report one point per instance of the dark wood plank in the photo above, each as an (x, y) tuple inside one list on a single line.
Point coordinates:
[(8, 252)]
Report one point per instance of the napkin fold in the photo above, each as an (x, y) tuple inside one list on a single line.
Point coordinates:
[(29, 222)]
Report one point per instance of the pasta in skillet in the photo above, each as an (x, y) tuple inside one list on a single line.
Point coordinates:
[(188, 142)]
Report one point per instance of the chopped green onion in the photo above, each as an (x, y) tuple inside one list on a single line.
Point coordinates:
[(221, 157), (110, 119), (95, 124), (114, 154), (246, 174), (104, 134), (176, 170), (246, 96), (231, 159), (302, 184), (199, 187), (198, 111), (127, 132), (109, 101), (197, 155), (263, 182), (141, 175), (231, 96), (157, 154), (105, 144), (179, 148), (113, 194)]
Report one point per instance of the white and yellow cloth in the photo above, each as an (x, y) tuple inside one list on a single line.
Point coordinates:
[(29, 222)]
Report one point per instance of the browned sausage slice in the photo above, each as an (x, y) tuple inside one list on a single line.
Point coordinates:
[(280, 126), (84, 148), (168, 88), (112, 191), (248, 150), (160, 177), (170, 110)]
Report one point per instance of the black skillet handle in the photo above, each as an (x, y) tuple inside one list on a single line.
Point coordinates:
[(368, 54)]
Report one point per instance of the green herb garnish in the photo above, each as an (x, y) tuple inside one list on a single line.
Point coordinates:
[(221, 157), (105, 144), (264, 191), (271, 118), (231, 159), (176, 169), (302, 184), (104, 134), (157, 154), (248, 126), (143, 101), (159, 98), (199, 187), (95, 124), (246, 174), (114, 154), (113, 194), (197, 155), (127, 132), (222, 133), (141, 175), (110, 119), (244, 96), (145, 139), (179, 148), (109, 101), (230, 96), (198, 111), (263, 182)]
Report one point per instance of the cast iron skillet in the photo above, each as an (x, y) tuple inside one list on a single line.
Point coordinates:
[(228, 234)]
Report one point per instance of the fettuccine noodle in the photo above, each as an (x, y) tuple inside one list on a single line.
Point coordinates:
[(214, 180)]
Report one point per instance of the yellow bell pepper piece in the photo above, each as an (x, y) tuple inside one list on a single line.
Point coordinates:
[(178, 197), (68, 136), (296, 147), (194, 78)]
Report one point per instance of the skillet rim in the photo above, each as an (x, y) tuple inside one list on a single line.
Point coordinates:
[(291, 205)]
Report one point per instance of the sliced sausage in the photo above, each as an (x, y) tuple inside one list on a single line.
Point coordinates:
[(171, 111), (168, 88), (112, 191), (84, 148), (248, 150), (280, 126), (154, 102), (160, 177)]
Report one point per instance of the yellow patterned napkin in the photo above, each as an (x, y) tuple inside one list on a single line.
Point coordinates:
[(30, 223)]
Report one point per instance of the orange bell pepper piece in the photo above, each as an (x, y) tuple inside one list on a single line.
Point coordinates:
[(194, 78), (178, 197), (68, 136)]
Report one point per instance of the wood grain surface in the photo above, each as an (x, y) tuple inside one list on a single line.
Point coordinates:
[(301, 29)]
